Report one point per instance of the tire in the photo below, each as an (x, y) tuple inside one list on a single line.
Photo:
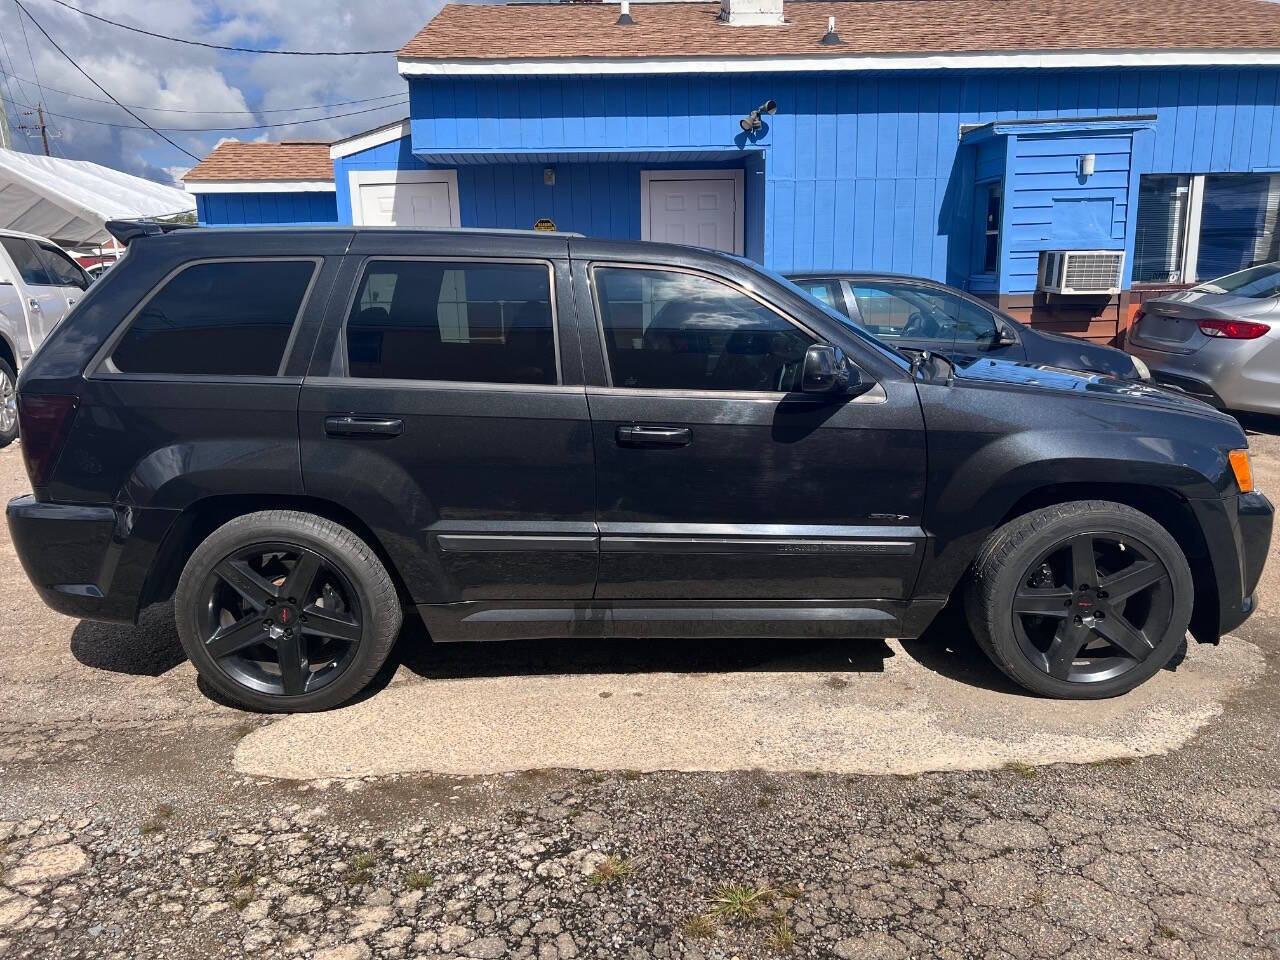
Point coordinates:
[(242, 626), (1027, 607), (8, 404)]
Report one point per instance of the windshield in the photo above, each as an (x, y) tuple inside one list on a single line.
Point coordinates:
[(1257, 282), (829, 311)]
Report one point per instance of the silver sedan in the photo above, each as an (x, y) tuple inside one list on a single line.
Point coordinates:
[(1219, 341)]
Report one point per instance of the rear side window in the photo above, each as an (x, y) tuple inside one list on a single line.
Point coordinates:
[(454, 321), (30, 267), (225, 318)]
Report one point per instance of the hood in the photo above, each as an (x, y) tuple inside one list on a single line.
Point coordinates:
[(1194, 303), (1043, 377), (1061, 350)]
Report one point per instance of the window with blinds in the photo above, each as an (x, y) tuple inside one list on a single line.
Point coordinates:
[(1162, 227)]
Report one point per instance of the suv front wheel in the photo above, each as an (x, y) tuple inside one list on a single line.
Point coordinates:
[(1080, 600), (286, 612)]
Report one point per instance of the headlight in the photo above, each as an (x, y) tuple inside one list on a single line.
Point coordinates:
[(1144, 372)]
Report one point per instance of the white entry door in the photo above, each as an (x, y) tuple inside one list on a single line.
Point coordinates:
[(407, 199), (699, 207)]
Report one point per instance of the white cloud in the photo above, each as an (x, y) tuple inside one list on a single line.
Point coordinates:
[(142, 70)]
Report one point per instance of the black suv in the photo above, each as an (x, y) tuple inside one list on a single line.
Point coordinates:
[(304, 433)]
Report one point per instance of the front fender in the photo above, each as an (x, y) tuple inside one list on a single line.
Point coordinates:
[(991, 448)]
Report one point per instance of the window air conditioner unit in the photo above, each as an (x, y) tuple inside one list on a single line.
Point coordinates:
[(1081, 271)]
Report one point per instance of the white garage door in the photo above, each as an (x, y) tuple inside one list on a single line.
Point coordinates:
[(705, 211), (407, 203)]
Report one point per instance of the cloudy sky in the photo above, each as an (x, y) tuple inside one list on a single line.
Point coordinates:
[(153, 73)]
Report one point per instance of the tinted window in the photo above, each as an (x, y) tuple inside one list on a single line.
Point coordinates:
[(667, 330), (231, 318), (903, 311), (462, 321), (30, 267), (64, 271)]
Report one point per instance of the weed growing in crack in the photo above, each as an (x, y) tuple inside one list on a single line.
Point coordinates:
[(419, 880), (612, 868), (740, 901)]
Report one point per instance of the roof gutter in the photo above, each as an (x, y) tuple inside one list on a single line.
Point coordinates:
[(840, 63)]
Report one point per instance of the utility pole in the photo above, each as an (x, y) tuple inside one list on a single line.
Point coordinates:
[(6, 141), (38, 125)]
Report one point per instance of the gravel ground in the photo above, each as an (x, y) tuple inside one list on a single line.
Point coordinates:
[(126, 830)]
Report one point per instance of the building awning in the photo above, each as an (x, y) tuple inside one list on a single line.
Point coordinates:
[(70, 200)]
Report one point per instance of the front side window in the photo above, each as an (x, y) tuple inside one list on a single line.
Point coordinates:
[(64, 271), (828, 292), (454, 321), (668, 330), (903, 311), (28, 263), (225, 318)]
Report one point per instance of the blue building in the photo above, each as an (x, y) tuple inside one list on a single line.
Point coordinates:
[(958, 139)]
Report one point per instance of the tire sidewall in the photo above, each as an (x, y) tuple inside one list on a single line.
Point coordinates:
[(189, 604), (8, 436), (1117, 520)]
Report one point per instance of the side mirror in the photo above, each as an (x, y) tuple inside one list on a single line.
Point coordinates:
[(1004, 337), (827, 371)]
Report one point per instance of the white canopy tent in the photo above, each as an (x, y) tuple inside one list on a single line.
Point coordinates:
[(69, 201)]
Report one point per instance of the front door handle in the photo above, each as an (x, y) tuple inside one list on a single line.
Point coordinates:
[(642, 436), (356, 426), (33, 303)]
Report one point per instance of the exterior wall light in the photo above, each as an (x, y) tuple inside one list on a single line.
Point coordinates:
[(1087, 163), (753, 121)]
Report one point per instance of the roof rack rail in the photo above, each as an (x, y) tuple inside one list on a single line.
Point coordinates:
[(126, 231)]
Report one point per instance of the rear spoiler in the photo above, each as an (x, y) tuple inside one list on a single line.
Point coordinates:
[(126, 231)]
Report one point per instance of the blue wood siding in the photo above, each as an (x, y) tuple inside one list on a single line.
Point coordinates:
[(1049, 206), (599, 198), (867, 171), (856, 171), (245, 209)]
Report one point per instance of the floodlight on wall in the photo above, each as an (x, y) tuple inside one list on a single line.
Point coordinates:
[(753, 121), (624, 18), (1088, 162)]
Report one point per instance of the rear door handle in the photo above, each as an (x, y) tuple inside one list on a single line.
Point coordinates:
[(642, 436), (356, 426)]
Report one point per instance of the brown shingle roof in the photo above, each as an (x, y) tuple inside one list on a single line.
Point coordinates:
[(556, 30), (290, 160)]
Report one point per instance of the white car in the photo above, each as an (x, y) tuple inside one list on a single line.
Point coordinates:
[(39, 283)]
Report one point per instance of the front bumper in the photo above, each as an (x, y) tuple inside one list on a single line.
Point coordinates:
[(87, 561), (1237, 532)]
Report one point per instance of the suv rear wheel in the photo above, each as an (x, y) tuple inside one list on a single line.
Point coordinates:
[(1081, 600), (286, 611)]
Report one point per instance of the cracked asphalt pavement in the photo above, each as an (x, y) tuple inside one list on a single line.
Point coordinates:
[(552, 801)]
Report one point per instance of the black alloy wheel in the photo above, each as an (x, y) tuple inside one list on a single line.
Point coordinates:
[(280, 619), (1093, 607)]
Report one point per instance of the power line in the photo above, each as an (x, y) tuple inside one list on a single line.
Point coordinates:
[(256, 126), (35, 71), (220, 113), (219, 46), (104, 90)]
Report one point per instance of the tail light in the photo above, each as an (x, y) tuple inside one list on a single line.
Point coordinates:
[(1233, 329), (1138, 317), (43, 422)]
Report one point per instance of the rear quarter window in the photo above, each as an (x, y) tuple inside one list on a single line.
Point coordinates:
[(219, 318)]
